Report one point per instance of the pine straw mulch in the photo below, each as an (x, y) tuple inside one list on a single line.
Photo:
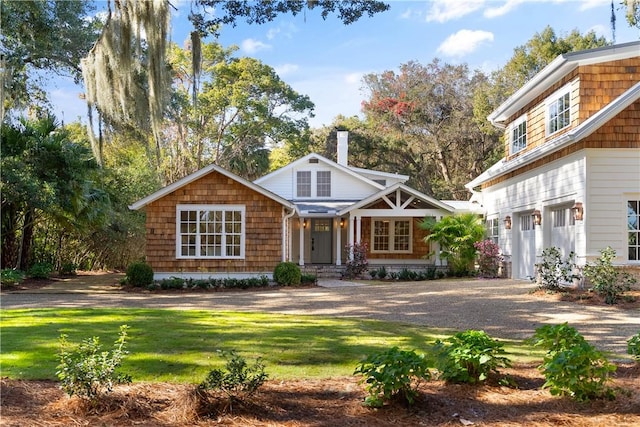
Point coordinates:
[(324, 402), (629, 300)]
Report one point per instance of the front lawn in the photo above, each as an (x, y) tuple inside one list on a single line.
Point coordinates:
[(181, 345)]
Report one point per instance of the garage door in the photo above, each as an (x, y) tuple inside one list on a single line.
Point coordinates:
[(563, 230), (526, 246)]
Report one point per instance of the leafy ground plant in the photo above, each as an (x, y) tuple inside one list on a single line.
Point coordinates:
[(553, 271), (633, 347), (469, 357), (392, 374), (88, 371), (239, 381), (573, 367), (605, 279)]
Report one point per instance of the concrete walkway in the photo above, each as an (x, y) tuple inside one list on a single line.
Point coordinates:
[(503, 308)]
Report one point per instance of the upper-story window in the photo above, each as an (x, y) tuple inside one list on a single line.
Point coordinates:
[(519, 135), (307, 181), (558, 112), (303, 184), (323, 183)]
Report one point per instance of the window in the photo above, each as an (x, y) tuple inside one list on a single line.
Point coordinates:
[(633, 226), (526, 222), (323, 184), (303, 184), (519, 135), (491, 229), (210, 231), (391, 235), (558, 112), (562, 217)]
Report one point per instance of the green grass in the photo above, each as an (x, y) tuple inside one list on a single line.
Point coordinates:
[(181, 345)]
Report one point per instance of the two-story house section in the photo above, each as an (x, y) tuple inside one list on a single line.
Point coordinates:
[(570, 176)]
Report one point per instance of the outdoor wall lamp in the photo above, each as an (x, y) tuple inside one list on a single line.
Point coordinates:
[(507, 222), (341, 222), (578, 211), (537, 217), (304, 224)]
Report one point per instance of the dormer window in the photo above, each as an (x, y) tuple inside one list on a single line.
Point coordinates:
[(323, 183), (519, 135), (303, 184), (307, 181), (558, 111)]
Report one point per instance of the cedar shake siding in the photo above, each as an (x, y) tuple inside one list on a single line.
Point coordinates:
[(263, 227)]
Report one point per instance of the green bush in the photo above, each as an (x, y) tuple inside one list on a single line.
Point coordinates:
[(608, 281), (239, 380), (139, 274), (553, 271), (469, 357), (287, 274), (68, 269), (10, 277), (633, 346), (87, 372), (572, 366), (40, 270), (393, 374)]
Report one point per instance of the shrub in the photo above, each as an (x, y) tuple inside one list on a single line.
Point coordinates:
[(87, 372), (553, 271), (68, 269), (139, 274), (357, 262), (489, 258), (239, 381), (287, 273), (469, 357), (10, 277), (40, 270), (633, 346), (309, 278), (606, 280), (392, 374), (572, 366)]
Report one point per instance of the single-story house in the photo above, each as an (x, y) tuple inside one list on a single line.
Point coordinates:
[(214, 223)]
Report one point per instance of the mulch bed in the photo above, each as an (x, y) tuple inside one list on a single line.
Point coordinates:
[(324, 402), (630, 300)]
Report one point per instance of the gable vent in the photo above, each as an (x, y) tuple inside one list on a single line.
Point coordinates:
[(313, 160)]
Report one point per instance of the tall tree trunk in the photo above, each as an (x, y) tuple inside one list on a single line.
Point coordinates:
[(27, 238)]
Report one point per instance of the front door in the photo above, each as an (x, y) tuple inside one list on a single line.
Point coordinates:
[(321, 240)]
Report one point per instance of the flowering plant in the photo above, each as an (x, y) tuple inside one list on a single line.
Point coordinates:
[(357, 262), (489, 258)]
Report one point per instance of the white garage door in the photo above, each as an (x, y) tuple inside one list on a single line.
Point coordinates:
[(526, 246), (563, 230)]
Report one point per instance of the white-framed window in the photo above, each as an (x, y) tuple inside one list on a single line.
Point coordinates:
[(210, 231), (558, 111), (323, 184), (519, 135), (633, 229), (391, 235), (303, 184), (562, 217), (491, 229), (526, 222)]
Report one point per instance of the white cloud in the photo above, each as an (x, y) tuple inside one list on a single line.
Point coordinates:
[(411, 14), (508, 6), (251, 46), (272, 33), (591, 4), (446, 10), (285, 69), (353, 78), (464, 42)]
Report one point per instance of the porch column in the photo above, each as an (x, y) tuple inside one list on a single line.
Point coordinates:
[(350, 230), (338, 242), (359, 229), (301, 259)]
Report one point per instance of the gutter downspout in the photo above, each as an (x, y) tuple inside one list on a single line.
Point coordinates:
[(285, 220)]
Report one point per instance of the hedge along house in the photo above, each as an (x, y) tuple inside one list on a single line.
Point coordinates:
[(570, 177), (216, 224)]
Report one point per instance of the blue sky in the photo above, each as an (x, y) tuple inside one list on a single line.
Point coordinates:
[(326, 59)]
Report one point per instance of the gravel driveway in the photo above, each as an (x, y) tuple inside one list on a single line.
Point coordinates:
[(503, 308)]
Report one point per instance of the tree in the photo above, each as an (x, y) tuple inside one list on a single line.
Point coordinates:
[(37, 36), (45, 177), (456, 235), (229, 11), (242, 105), (427, 118), (632, 12)]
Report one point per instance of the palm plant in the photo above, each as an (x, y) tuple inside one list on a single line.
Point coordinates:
[(456, 235)]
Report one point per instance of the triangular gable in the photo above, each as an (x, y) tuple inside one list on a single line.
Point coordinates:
[(554, 71), (397, 203), (322, 159), (586, 128), (201, 173)]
